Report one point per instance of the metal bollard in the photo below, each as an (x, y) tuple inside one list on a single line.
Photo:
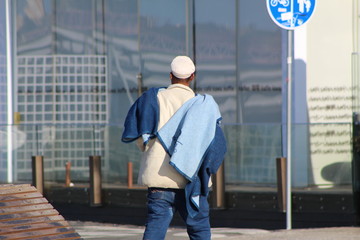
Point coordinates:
[(95, 181), (281, 182), (37, 163), (130, 174), (219, 187), (67, 174)]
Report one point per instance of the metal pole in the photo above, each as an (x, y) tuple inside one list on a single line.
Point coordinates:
[(289, 123), (68, 174), (95, 181), (9, 94), (281, 182), (219, 187), (189, 28), (38, 172), (130, 174)]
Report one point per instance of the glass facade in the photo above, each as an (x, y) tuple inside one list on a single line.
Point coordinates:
[(80, 64)]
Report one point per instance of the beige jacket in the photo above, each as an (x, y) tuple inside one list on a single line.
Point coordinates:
[(155, 170)]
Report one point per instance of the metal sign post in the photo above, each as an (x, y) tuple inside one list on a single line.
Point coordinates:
[(289, 124), (289, 14)]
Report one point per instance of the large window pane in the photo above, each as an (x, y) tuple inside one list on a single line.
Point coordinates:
[(252, 150), (162, 37), (75, 27), (238, 55), (121, 34), (33, 23), (215, 42), (259, 62)]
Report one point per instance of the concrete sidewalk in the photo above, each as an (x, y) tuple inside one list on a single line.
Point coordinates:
[(104, 231)]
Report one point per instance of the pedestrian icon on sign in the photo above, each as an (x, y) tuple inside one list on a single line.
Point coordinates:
[(290, 14), (304, 4)]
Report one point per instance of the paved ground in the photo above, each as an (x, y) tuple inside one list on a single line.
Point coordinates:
[(93, 230)]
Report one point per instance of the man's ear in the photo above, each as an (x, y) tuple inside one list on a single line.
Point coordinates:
[(192, 77)]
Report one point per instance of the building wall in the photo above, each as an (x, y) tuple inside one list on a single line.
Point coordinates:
[(323, 61), (241, 60)]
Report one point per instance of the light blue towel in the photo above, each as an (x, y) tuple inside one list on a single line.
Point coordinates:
[(189, 132)]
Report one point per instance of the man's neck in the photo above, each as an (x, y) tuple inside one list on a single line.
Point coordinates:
[(184, 82)]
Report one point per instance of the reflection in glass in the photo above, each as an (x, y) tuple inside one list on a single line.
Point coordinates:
[(215, 44), (80, 65), (162, 37), (250, 160), (252, 150), (75, 27), (259, 62), (121, 33), (33, 27)]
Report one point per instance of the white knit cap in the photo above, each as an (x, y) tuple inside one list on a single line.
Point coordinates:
[(182, 67)]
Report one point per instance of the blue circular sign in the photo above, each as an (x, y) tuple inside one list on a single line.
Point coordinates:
[(290, 14)]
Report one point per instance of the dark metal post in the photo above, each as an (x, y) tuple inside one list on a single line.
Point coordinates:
[(67, 174), (37, 163), (219, 188), (281, 182), (95, 181), (130, 174)]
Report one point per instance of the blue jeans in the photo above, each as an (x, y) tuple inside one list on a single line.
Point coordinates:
[(163, 203)]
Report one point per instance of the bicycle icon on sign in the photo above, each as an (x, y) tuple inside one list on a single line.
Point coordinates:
[(274, 3)]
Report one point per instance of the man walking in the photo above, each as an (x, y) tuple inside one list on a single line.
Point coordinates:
[(182, 142)]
